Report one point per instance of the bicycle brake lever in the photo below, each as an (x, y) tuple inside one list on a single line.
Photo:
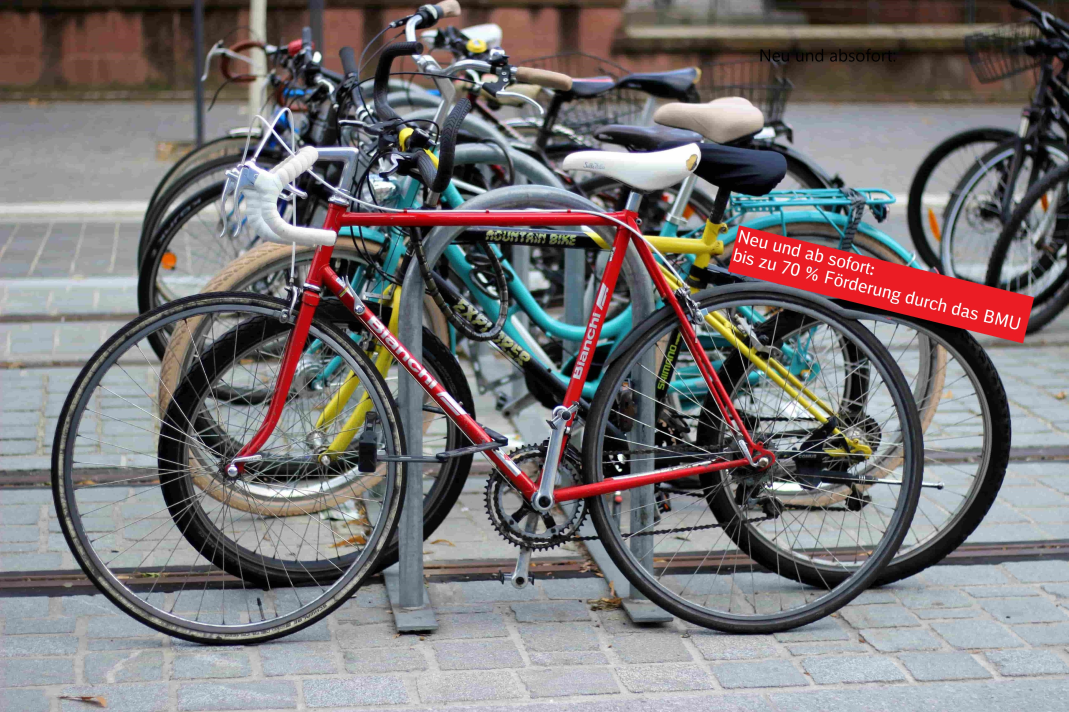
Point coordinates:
[(526, 99)]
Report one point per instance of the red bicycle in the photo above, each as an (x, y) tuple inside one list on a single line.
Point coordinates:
[(794, 421)]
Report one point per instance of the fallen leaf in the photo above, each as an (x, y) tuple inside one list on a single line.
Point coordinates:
[(606, 604), (1060, 395), (98, 701), (358, 539), (443, 541), (948, 394)]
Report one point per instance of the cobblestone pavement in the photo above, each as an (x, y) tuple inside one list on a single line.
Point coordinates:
[(955, 638)]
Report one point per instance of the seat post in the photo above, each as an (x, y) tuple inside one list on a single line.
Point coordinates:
[(634, 200), (720, 204)]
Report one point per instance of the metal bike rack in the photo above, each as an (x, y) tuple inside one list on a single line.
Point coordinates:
[(409, 598)]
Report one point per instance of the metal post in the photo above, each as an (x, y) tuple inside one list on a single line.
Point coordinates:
[(258, 31), (198, 70), (315, 21)]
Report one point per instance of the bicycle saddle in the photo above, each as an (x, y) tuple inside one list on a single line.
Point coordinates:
[(724, 120), (591, 86), (642, 171), (677, 84), (749, 171), (646, 138)]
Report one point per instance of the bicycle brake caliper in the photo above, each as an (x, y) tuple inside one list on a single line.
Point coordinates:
[(689, 306)]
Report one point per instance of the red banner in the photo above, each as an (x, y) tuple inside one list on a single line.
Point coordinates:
[(896, 288)]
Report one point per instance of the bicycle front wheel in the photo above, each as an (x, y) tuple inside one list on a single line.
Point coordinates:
[(140, 481), (823, 395)]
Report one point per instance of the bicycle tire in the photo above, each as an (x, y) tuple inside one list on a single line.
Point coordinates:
[(652, 332), (133, 590), (224, 145), (958, 208), (1052, 300), (986, 139)]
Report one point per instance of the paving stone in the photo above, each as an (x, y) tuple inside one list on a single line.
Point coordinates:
[(38, 626), (286, 658), (721, 646), (964, 576), (1024, 610), (26, 607), (30, 562), (125, 643), (477, 655), (1060, 590), (360, 690), (874, 596), (468, 686), (24, 700), (1039, 571), (933, 598), (140, 697), (583, 589), (494, 591), (664, 678), (931, 614), (587, 658), (28, 646), (259, 695), (138, 666), (471, 625), (824, 629), (885, 616), (378, 635), (926, 667), (210, 664), (1025, 663), (634, 649), (550, 612), (363, 616), (117, 627), (894, 640), (764, 673), (384, 660), (29, 672), (559, 637), (20, 513), (838, 647), (562, 683), (852, 669), (1046, 634), (1001, 591), (87, 606), (976, 634)]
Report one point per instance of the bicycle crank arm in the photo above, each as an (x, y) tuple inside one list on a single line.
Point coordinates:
[(520, 574)]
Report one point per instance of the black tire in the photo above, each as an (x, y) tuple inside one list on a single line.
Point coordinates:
[(261, 613), (1046, 277), (917, 554), (952, 155), (224, 145), (184, 187), (823, 603), (967, 204)]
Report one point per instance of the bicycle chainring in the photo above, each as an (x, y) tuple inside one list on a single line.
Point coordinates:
[(508, 510)]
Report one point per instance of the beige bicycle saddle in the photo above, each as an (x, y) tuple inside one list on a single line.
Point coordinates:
[(721, 120)]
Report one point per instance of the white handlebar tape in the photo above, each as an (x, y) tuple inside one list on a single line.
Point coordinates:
[(262, 204)]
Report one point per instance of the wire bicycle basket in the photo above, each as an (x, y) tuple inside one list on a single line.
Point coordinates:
[(1001, 52), (763, 83)]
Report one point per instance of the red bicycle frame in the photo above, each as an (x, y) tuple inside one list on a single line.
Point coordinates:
[(320, 274)]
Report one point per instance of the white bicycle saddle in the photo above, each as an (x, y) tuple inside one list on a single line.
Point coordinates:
[(655, 170)]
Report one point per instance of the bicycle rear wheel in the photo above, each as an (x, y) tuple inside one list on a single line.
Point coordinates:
[(724, 556), (1031, 255), (140, 483), (935, 180)]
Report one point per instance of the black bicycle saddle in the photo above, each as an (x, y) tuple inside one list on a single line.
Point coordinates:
[(677, 84)]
